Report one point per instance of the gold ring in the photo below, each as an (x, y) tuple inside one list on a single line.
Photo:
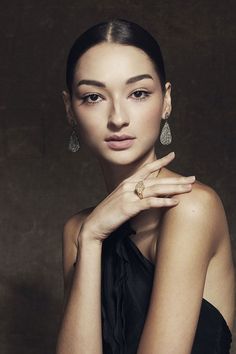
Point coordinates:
[(139, 189)]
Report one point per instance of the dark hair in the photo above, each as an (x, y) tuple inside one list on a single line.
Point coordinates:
[(116, 31)]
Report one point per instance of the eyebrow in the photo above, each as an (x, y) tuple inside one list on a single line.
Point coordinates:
[(101, 84)]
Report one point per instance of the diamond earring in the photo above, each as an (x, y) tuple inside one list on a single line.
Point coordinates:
[(166, 137), (74, 139)]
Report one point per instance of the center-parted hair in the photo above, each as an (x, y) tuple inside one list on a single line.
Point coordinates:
[(118, 31)]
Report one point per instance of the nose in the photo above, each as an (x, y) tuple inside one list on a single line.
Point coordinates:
[(117, 116)]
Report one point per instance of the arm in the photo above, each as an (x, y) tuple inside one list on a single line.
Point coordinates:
[(189, 236), (80, 330)]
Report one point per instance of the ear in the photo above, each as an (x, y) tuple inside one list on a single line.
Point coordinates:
[(167, 107), (67, 102)]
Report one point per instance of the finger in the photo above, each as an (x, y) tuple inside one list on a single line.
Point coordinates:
[(153, 166), (165, 189), (153, 202), (169, 180)]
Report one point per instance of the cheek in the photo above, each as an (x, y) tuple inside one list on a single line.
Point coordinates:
[(148, 116), (89, 119)]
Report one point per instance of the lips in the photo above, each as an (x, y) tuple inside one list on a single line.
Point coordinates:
[(116, 137), (119, 142)]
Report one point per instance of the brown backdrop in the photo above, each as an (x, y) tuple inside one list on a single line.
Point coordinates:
[(42, 184)]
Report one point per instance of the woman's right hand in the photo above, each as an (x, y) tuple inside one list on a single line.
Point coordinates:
[(123, 203)]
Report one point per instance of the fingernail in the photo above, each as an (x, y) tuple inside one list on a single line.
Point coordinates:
[(172, 153), (191, 178)]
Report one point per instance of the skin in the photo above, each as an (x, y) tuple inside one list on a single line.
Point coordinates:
[(205, 261)]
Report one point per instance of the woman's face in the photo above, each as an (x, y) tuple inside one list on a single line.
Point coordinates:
[(116, 90)]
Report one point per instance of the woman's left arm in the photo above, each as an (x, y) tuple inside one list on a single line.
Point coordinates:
[(189, 236)]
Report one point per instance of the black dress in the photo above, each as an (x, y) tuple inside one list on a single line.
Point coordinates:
[(127, 278)]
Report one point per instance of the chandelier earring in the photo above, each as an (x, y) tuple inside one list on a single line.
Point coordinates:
[(166, 137), (74, 138)]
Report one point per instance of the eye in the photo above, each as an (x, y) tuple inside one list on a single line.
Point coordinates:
[(140, 94), (92, 98)]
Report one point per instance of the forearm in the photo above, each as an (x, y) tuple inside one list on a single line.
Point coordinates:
[(81, 330)]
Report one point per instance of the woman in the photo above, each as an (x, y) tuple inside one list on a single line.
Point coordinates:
[(149, 269)]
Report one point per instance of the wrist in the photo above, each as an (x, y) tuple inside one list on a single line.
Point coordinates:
[(88, 238)]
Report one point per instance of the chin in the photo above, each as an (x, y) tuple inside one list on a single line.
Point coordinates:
[(118, 160), (122, 157)]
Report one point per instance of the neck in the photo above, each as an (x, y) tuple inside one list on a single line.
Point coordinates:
[(114, 174), (146, 220)]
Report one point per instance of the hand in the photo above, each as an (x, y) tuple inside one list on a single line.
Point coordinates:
[(123, 203)]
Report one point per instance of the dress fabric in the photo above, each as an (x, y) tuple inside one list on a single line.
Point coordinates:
[(127, 278)]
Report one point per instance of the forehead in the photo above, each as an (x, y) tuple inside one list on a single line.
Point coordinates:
[(108, 60)]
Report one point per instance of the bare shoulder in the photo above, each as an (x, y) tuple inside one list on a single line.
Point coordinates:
[(201, 195), (70, 235), (73, 224), (201, 207)]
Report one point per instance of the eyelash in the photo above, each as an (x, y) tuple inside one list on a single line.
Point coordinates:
[(85, 97)]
